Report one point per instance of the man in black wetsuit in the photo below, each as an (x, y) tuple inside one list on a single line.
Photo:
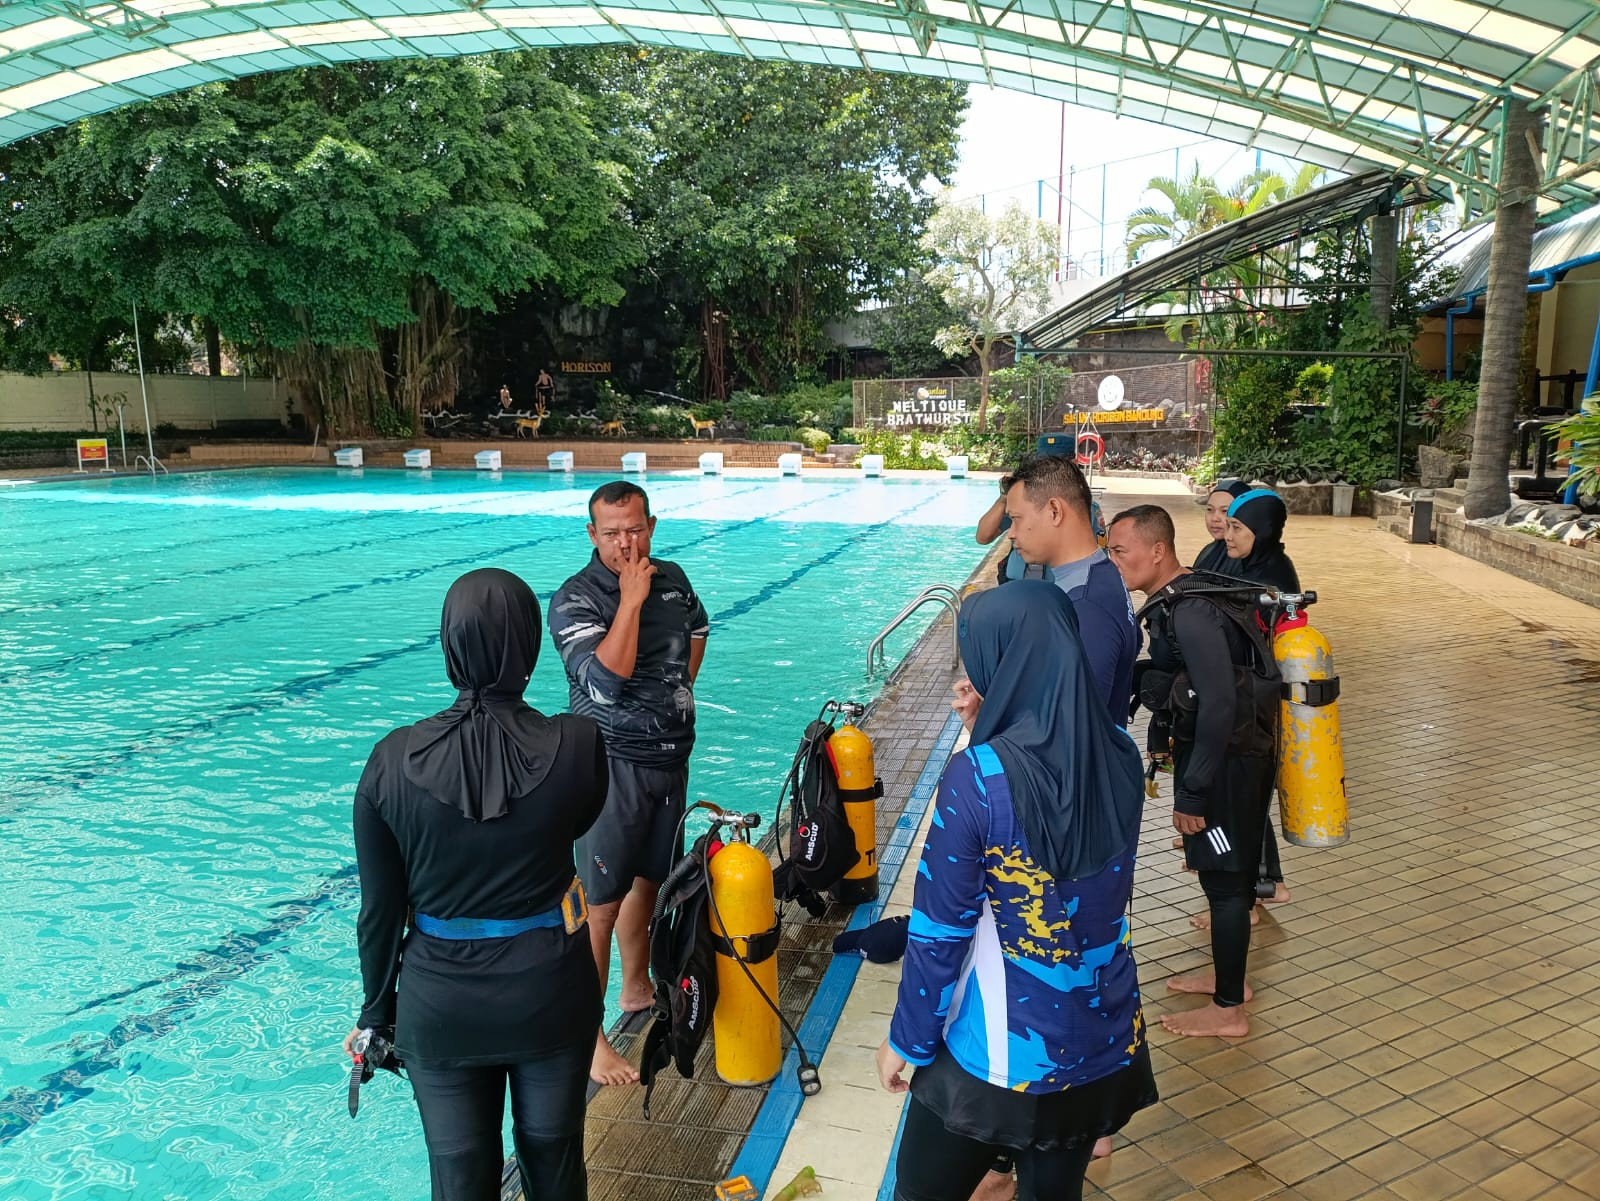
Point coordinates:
[(631, 633), (1222, 780)]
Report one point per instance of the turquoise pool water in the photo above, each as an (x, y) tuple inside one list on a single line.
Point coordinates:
[(192, 672)]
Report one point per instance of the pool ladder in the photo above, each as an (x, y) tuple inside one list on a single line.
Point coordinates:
[(942, 594)]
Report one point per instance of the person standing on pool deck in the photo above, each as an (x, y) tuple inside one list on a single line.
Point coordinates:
[(631, 633), (1223, 768), (1019, 996), (1052, 523), (464, 825), (1215, 555)]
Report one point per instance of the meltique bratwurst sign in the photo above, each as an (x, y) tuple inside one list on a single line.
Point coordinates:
[(926, 407)]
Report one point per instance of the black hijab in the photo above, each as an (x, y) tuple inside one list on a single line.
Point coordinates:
[(1264, 514), (1075, 778), (1214, 557), (489, 747)]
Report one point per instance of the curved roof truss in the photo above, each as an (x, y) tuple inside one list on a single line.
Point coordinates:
[(1348, 84)]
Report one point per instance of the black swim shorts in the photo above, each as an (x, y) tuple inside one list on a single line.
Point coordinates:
[(637, 833)]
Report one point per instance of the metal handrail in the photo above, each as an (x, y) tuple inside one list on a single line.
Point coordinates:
[(943, 594), (151, 462)]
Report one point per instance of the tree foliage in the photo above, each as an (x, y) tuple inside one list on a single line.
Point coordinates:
[(338, 217), (355, 227), (776, 198), (994, 271)]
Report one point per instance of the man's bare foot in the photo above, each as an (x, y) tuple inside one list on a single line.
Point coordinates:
[(995, 1186), (1177, 844), (610, 1068), (1280, 895), (1211, 1022), (1102, 1148), (636, 1000), (1203, 983), (1202, 921)]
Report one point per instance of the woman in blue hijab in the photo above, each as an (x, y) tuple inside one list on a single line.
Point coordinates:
[(1255, 541), (1019, 998)]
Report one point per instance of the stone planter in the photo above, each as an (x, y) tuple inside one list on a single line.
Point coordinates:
[(1343, 499)]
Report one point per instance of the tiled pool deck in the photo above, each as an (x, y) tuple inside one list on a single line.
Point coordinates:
[(1427, 1017)]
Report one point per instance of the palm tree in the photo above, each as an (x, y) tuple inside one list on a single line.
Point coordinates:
[(1504, 311), (1197, 205)]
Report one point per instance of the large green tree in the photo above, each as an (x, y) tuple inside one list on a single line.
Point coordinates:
[(773, 198), (340, 218)]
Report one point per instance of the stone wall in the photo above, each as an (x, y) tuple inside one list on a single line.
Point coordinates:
[(1568, 570)]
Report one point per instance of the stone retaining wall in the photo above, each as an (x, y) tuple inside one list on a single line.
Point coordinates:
[(1568, 570)]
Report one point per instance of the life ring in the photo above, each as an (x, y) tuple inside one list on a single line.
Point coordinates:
[(1097, 448)]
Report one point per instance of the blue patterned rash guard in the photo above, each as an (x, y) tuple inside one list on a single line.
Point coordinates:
[(1029, 981)]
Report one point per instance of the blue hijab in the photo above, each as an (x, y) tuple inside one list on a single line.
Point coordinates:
[(1075, 778)]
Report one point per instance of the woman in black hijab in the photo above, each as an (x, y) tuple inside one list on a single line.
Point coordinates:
[(1255, 553), (471, 935), (1019, 998), (1214, 557), (1255, 540)]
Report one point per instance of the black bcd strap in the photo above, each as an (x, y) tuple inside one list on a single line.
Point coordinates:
[(758, 948), (1311, 692)]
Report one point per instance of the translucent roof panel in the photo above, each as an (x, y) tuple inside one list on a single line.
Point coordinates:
[(1413, 84)]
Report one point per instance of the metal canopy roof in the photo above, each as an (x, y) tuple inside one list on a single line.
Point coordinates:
[(1341, 83), (1348, 199), (1557, 249)]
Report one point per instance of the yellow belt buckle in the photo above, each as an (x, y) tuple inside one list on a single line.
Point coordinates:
[(574, 907)]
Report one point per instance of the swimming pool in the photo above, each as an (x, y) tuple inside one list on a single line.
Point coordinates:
[(192, 673)]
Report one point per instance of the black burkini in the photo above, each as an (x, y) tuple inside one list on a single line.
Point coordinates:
[(472, 1014), (1211, 777)]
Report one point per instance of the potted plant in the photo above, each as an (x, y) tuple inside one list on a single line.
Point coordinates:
[(1445, 418)]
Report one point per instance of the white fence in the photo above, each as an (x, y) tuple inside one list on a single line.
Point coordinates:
[(59, 400)]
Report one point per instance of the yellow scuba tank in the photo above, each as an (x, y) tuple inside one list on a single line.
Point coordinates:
[(859, 790), (744, 1023), (1311, 795)]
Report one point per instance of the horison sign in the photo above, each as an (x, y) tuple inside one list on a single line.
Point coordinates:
[(585, 368), (1117, 417), (926, 407)]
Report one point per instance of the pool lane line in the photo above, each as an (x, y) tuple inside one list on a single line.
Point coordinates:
[(252, 565), (266, 700), (342, 881), (207, 540), (459, 507), (758, 1157), (49, 667), (771, 589), (21, 1109)]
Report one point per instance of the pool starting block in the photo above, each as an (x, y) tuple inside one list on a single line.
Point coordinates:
[(789, 464), (711, 463), (872, 465), (349, 456), (956, 465), (487, 460), (419, 458), (559, 460), (633, 461)]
